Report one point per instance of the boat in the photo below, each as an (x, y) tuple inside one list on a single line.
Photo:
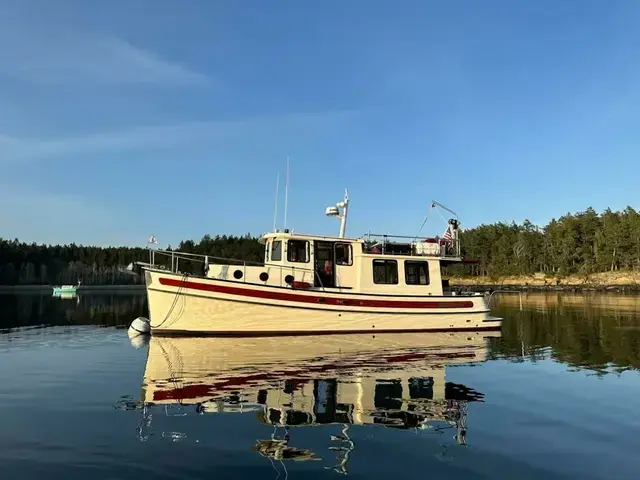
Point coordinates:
[(380, 381), (312, 284), (66, 290)]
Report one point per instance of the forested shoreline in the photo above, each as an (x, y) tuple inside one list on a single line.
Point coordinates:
[(33, 264), (577, 245)]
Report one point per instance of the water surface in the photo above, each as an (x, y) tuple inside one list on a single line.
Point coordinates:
[(552, 396)]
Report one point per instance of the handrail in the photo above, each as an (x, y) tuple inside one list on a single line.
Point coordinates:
[(411, 237), (175, 255), (203, 258), (456, 244)]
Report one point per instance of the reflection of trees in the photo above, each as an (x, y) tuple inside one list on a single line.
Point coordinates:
[(594, 339), (95, 309)]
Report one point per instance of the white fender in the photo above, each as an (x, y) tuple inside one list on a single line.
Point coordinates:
[(140, 326)]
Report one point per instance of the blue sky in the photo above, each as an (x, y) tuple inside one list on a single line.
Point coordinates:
[(123, 119)]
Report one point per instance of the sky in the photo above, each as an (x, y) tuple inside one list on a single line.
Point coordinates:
[(120, 120)]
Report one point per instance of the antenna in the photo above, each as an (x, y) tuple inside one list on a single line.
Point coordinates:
[(286, 194), (335, 212), (275, 207)]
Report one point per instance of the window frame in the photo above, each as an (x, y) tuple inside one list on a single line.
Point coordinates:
[(273, 246), (385, 261), (306, 251), (417, 262), (349, 251)]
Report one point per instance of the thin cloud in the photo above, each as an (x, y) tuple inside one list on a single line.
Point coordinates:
[(148, 138), (73, 58)]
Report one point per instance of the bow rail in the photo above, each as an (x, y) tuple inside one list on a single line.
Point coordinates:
[(197, 264)]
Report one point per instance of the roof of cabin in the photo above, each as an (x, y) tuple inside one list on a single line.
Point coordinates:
[(305, 236)]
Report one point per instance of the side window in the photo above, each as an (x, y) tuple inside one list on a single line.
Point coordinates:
[(298, 251), (343, 254), (385, 271), (276, 251), (416, 273)]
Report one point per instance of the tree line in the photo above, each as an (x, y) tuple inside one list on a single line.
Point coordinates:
[(33, 264), (581, 243)]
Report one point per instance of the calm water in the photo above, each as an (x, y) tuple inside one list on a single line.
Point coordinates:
[(553, 396)]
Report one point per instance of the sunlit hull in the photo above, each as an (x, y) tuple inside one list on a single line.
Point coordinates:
[(195, 305)]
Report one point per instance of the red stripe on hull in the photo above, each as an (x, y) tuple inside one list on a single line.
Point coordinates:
[(321, 300)]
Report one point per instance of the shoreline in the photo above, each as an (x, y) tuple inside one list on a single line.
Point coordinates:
[(474, 284), (616, 281), (549, 288), (81, 289)]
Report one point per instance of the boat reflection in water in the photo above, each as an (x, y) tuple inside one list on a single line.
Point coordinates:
[(390, 380)]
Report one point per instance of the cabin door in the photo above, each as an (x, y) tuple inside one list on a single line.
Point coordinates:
[(325, 269)]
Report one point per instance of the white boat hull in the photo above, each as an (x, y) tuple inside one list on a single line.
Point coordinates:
[(197, 305)]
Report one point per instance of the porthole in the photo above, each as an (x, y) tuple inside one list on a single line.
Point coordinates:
[(264, 276), (288, 279), (237, 274)]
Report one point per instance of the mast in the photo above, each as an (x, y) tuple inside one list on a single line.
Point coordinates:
[(286, 194)]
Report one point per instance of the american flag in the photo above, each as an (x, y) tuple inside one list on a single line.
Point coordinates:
[(447, 235)]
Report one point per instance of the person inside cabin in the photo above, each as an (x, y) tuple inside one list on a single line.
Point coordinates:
[(328, 267)]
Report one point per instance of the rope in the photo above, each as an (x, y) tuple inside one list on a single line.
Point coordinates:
[(175, 301), (172, 371)]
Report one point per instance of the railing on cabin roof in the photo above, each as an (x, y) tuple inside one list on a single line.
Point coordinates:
[(415, 246), (200, 258)]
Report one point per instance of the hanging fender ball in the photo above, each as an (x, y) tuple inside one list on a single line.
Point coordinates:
[(140, 326)]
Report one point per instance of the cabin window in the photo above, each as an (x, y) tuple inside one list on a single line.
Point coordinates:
[(385, 271), (416, 272), (343, 254), (276, 251), (298, 251)]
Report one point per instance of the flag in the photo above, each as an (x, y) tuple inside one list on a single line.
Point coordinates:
[(152, 239), (447, 235)]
